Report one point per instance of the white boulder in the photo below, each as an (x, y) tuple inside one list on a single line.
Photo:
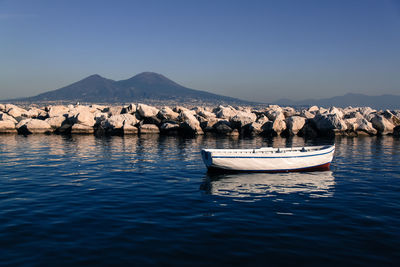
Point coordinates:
[(113, 110), (55, 111), (7, 126), (167, 114), (382, 125), (360, 126), (279, 126), (329, 123), (79, 128), (275, 115), (147, 111), (391, 117), (242, 118), (30, 126), (117, 124), (85, 118), (6, 117), (225, 112), (149, 129), (206, 114), (295, 124), (289, 111), (17, 112), (313, 109), (262, 119), (129, 129), (306, 114), (190, 124), (56, 122), (272, 128), (335, 110)]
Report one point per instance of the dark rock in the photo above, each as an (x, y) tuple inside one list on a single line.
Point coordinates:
[(241, 119), (382, 125), (329, 124), (295, 124), (309, 130), (131, 108), (170, 128), (190, 125), (252, 129), (223, 127), (396, 131)]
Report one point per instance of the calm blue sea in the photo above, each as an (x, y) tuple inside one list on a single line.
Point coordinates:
[(83, 200)]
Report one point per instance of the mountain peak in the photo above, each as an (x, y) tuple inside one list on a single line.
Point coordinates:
[(94, 77), (148, 74), (150, 77)]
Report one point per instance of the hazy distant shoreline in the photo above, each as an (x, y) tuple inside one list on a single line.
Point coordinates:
[(156, 89), (271, 120)]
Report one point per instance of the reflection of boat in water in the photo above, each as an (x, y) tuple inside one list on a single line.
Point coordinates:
[(268, 159), (258, 185)]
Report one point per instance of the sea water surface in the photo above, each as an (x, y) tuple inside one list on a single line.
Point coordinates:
[(148, 200)]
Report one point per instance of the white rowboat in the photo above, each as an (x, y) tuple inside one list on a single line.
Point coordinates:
[(268, 159)]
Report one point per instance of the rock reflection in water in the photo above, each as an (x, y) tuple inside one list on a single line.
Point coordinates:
[(253, 186)]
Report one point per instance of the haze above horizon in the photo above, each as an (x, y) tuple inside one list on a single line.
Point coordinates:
[(254, 50)]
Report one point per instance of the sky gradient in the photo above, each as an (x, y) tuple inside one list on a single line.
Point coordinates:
[(253, 50)]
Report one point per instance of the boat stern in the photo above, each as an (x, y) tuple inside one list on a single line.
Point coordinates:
[(206, 156)]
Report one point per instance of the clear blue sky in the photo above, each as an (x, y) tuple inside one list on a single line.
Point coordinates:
[(254, 50)]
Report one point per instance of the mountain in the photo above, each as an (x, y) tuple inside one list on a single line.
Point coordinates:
[(146, 86), (90, 88), (354, 100)]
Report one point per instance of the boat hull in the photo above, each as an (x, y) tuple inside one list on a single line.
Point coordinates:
[(271, 161), (323, 167)]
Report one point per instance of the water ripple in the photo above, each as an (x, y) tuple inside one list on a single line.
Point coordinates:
[(83, 200)]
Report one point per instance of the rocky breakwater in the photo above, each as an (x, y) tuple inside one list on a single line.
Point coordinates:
[(272, 120)]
